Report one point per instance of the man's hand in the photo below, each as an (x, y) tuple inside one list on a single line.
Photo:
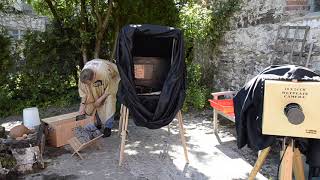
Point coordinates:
[(82, 109)]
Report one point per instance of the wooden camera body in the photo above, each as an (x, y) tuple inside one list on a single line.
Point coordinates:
[(291, 109)]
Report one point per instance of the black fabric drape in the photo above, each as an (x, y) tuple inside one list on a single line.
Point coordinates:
[(248, 107), (165, 107)]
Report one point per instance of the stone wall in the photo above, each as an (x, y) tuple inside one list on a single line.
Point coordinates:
[(23, 22), (249, 47)]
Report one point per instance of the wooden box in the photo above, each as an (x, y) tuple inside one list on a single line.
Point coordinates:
[(61, 128), (277, 95)]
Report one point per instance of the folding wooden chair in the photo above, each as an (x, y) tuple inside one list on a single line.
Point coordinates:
[(77, 146)]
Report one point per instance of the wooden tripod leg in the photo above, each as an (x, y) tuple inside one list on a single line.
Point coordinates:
[(215, 121), (298, 168), (126, 124), (120, 120), (181, 129), (257, 166), (123, 134), (286, 164)]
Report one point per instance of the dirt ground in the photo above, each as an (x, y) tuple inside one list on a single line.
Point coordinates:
[(156, 154)]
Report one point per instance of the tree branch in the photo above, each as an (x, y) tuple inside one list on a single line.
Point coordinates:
[(107, 16), (83, 29), (94, 11), (54, 12), (101, 29)]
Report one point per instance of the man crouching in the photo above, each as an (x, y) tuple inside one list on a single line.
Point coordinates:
[(98, 86)]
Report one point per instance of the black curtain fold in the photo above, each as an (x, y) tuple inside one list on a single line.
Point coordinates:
[(248, 107), (173, 92)]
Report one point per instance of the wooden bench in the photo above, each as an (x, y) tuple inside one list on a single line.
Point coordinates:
[(226, 110)]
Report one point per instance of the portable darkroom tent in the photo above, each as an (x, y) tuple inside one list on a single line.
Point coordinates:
[(150, 60)]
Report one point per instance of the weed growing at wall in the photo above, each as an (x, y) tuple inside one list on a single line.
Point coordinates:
[(202, 24)]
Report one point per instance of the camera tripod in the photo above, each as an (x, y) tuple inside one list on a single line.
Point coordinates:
[(290, 161)]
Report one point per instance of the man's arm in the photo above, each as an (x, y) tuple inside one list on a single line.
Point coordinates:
[(102, 98), (110, 75), (83, 95)]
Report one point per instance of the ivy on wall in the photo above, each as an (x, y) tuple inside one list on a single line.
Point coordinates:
[(220, 20), (203, 24)]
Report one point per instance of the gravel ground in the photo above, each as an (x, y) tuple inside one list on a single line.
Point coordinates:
[(156, 154)]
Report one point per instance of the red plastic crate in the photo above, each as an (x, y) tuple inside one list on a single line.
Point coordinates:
[(223, 105)]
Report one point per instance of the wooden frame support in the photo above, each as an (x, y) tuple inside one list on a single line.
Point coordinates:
[(123, 124), (287, 163), (291, 162), (77, 146), (298, 169), (183, 140), (257, 166)]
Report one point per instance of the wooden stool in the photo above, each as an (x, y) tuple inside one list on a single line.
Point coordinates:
[(77, 146), (123, 124)]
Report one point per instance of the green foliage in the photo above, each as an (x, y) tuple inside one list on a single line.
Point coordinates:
[(6, 63), (203, 24), (223, 11), (48, 76), (53, 58), (195, 21), (160, 12), (196, 93), (4, 5)]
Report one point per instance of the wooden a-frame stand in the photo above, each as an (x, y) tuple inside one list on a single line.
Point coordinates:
[(291, 161), (123, 129)]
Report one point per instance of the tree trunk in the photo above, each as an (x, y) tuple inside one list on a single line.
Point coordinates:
[(84, 54), (101, 27), (99, 38), (84, 27), (115, 42)]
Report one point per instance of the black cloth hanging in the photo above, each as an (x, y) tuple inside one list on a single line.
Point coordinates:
[(152, 112), (248, 108)]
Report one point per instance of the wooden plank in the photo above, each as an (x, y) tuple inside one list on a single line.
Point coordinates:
[(91, 142), (123, 134), (215, 120), (60, 133), (183, 140), (285, 39), (292, 44), (309, 55), (257, 166), (294, 27), (223, 93), (297, 2), (298, 168), (231, 118), (304, 42), (74, 144), (286, 165), (120, 120), (60, 117), (291, 39)]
